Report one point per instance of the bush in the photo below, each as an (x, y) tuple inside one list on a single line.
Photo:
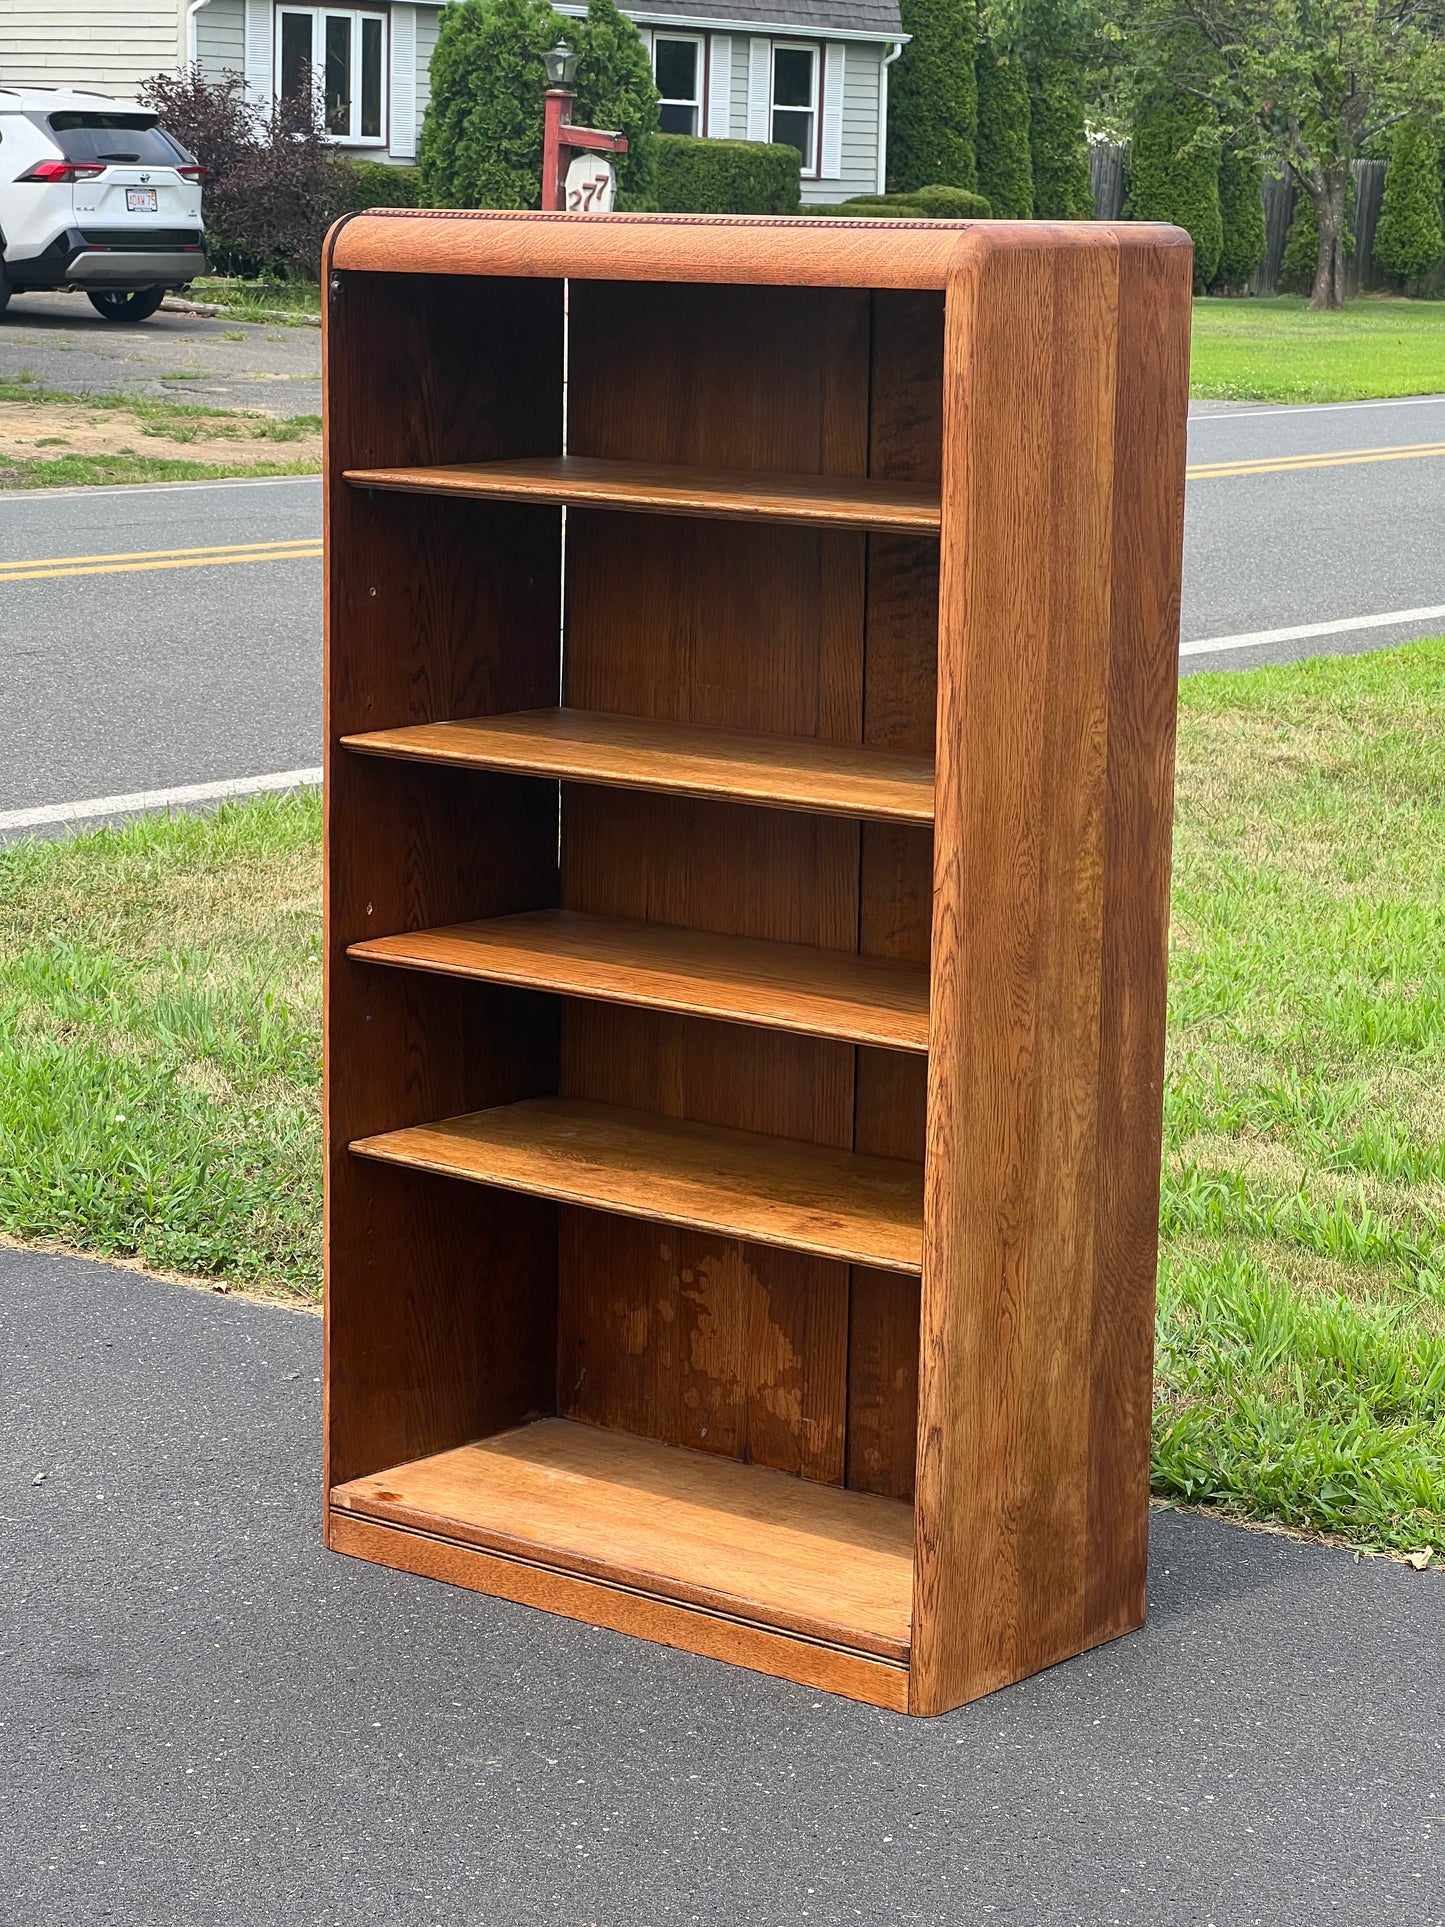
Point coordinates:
[(932, 101), (378, 185), (1058, 146), (924, 204), (1410, 237), (274, 183), (615, 90), (1005, 168), (726, 177), (481, 141), (1174, 175), (1241, 217)]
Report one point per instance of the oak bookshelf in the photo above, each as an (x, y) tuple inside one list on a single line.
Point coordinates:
[(749, 783)]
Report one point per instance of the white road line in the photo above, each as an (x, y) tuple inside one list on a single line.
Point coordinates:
[(1261, 638), (288, 779), (1307, 408)]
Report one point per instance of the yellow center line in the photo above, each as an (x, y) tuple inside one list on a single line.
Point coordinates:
[(141, 561), (1282, 464)]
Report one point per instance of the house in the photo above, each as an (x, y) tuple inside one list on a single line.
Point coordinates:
[(810, 72)]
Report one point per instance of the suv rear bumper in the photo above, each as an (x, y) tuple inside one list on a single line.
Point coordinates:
[(123, 268), (75, 260)]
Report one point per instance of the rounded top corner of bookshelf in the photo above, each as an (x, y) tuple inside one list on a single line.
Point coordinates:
[(798, 250)]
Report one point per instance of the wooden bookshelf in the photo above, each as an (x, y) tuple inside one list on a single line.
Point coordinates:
[(746, 913)]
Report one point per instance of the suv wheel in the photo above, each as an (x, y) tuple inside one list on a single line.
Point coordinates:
[(126, 307)]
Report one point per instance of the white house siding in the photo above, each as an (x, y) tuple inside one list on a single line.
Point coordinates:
[(87, 43), (427, 21), (221, 38)]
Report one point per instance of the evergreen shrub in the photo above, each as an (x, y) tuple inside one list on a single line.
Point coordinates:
[(726, 177), (1241, 216), (1174, 175), (1410, 236), (932, 100), (1005, 164), (1058, 146)]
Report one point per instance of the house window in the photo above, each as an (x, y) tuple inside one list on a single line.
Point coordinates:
[(795, 101), (345, 54), (677, 69)]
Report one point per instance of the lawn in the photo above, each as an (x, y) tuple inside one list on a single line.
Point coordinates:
[(159, 990), (1276, 350), (52, 438)]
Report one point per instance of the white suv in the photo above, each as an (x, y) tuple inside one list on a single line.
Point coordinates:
[(95, 195)]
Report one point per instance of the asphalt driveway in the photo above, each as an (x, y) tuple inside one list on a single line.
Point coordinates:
[(205, 1718)]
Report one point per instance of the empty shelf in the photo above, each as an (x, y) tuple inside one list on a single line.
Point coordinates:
[(684, 759), (752, 1544), (783, 986), (774, 1191), (752, 495)]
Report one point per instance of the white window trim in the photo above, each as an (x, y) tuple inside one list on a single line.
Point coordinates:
[(813, 47), (698, 103), (355, 15)]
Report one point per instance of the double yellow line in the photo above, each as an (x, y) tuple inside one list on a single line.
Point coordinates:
[(144, 559), (307, 547), (1283, 464)]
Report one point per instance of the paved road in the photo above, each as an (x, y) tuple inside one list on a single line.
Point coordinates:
[(137, 681), (208, 1719), (62, 341)]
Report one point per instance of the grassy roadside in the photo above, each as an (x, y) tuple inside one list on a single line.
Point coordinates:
[(52, 438), (158, 1040), (1276, 350)]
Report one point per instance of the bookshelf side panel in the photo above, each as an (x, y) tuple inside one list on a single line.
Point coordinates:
[(440, 1297), (1034, 906)]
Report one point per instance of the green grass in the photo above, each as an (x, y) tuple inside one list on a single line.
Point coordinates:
[(1276, 350), (260, 300), (80, 471), (159, 994)]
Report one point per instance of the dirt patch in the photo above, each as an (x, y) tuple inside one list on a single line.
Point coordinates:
[(46, 431)]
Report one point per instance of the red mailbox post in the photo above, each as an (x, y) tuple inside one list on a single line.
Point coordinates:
[(561, 141)]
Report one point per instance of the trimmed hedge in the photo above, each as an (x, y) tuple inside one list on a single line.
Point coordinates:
[(1241, 216), (1410, 237), (924, 204), (932, 97), (378, 185), (1005, 164), (1174, 175), (1058, 147), (726, 177)]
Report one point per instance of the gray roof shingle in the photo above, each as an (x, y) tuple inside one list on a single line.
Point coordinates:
[(871, 17)]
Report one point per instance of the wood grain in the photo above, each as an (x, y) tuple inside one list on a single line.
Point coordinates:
[(821, 993), (1013, 1269), (658, 488), (811, 1664), (683, 759), (741, 1540), (800, 1197)]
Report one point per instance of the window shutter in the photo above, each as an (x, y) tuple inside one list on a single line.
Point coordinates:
[(260, 28), (760, 88), (834, 56), (720, 87), (403, 81)]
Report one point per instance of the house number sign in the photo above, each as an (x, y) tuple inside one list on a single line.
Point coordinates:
[(591, 185)]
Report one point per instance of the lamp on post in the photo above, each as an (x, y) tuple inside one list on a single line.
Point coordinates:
[(561, 140)]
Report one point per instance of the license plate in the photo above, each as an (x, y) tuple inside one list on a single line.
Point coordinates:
[(140, 200)]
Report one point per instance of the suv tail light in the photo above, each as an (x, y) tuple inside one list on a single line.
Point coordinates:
[(53, 171), (191, 173)]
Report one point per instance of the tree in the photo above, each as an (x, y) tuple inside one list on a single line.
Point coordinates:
[(481, 141), (1241, 216), (1057, 142), (933, 101), (615, 90), (1174, 173), (1410, 237), (1005, 168), (1314, 80)]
